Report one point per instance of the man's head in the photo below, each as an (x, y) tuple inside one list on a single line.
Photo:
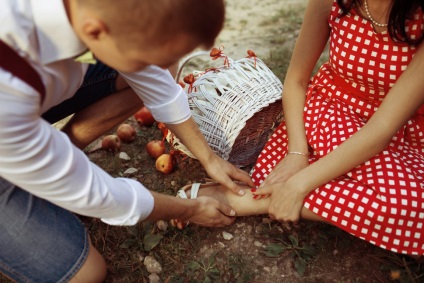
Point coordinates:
[(160, 30)]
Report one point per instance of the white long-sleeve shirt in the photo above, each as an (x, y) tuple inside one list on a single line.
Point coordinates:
[(39, 158)]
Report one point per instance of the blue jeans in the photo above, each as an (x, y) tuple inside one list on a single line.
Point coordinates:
[(39, 241), (99, 82)]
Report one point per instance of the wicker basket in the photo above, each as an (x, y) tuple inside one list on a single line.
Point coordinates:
[(236, 106)]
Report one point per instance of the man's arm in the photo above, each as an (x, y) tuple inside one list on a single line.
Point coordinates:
[(203, 211), (168, 103)]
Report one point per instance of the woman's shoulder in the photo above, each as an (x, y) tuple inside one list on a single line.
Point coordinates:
[(322, 7), (335, 10)]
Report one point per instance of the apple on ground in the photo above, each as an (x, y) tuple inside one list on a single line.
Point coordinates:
[(165, 163), (126, 133), (155, 148), (144, 117), (111, 143)]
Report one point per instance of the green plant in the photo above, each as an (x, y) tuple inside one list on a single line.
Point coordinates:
[(302, 254), (144, 236), (240, 268), (206, 267)]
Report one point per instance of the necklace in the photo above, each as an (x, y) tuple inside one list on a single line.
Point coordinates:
[(371, 18)]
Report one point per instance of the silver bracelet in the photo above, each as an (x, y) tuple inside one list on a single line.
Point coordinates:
[(298, 153)]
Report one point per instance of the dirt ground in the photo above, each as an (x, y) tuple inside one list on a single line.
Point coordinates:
[(253, 24), (253, 249)]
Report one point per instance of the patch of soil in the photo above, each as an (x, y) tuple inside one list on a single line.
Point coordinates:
[(253, 249)]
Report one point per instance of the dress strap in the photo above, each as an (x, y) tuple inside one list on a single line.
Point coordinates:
[(19, 67)]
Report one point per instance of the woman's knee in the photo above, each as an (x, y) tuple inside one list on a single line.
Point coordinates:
[(309, 215)]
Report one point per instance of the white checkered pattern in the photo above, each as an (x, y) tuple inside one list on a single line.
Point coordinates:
[(381, 201)]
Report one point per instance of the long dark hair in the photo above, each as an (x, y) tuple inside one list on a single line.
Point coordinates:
[(400, 12)]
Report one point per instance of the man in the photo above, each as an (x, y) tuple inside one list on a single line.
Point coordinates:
[(44, 174)]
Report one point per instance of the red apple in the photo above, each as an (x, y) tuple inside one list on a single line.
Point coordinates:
[(165, 163), (155, 148), (111, 143), (126, 133), (144, 117)]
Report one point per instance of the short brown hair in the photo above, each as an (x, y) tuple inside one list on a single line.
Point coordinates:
[(159, 20)]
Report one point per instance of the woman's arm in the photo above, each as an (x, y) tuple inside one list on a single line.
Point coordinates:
[(311, 42), (312, 39), (403, 100)]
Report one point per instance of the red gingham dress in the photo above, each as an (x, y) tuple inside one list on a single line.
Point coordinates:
[(382, 200)]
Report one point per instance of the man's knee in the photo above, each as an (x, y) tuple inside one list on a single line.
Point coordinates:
[(93, 270), (121, 83), (39, 229)]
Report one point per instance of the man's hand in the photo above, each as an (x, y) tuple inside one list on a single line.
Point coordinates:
[(203, 211), (218, 169), (224, 173), (212, 213)]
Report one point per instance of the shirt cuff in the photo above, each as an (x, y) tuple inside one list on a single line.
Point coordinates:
[(141, 207), (172, 112)]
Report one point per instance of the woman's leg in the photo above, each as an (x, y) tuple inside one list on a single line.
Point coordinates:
[(246, 205)]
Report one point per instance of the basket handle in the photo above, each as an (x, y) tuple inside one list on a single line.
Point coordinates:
[(186, 59)]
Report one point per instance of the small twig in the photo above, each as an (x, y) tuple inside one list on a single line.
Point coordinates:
[(104, 238), (410, 275)]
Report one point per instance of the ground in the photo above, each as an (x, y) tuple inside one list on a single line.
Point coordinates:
[(253, 249)]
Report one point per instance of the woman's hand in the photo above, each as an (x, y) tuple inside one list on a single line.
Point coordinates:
[(290, 165), (286, 200), (224, 173)]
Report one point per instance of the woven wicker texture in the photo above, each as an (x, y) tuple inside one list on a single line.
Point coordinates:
[(236, 106)]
